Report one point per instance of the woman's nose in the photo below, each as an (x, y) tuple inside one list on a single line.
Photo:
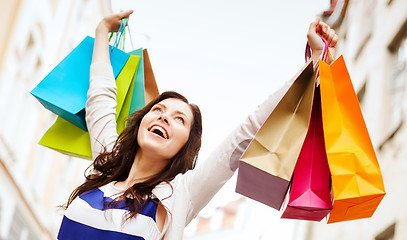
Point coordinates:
[(163, 118)]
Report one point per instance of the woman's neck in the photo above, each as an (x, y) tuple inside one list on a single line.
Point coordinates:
[(143, 168)]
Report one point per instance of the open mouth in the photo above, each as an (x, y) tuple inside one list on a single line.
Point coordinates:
[(159, 131)]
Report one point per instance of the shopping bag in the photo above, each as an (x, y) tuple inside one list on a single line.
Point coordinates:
[(357, 182), (150, 85), (266, 167), (310, 194), (145, 88), (138, 99), (63, 90), (68, 139), (145, 79)]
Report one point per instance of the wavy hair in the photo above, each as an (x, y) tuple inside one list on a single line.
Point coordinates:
[(115, 165)]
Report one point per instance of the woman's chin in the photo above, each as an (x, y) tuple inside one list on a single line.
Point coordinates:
[(156, 150)]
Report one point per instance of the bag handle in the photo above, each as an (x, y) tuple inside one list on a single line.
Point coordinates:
[(325, 52), (121, 35), (323, 57)]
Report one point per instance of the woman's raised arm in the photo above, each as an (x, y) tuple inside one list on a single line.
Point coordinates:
[(204, 181), (101, 103)]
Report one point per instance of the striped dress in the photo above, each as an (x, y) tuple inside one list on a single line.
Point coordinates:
[(86, 218)]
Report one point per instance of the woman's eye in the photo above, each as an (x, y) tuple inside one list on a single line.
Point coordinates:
[(158, 110), (179, 119)]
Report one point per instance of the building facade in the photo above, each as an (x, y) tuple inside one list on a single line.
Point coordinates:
[(34, 180), (373, 41)]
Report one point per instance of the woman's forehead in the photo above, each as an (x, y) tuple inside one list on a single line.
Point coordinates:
[(175, 104)]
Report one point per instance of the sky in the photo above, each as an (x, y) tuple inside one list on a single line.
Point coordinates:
[(225, 56)]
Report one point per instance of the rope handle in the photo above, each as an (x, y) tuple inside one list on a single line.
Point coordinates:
[(121, 35), (324, 55)]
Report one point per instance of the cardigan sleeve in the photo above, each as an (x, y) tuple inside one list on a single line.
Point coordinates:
[(204, 182), (101, 108)]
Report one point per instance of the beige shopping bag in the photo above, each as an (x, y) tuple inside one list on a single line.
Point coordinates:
[(266, 167)]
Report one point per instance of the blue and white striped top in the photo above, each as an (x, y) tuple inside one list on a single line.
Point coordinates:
[(86, 218)]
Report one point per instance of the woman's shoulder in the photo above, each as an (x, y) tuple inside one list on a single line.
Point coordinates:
[(167, 190)]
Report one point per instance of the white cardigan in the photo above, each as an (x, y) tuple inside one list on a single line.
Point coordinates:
[(194, 189)]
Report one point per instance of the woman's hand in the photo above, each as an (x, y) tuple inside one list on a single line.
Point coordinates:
[(108, 24), (112, 22), (315, 31)]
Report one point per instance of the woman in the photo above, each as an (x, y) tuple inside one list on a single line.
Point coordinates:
[(142, 184)]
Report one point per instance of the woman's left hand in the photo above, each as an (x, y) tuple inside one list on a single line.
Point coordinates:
[(108, 24), (318, 29), (112, 22)]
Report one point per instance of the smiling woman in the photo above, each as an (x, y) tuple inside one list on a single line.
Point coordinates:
[(171, 120), (141, 158), (143, 184)]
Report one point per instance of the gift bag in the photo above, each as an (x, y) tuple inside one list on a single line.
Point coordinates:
[(63, 91), (145, 78), (357, 182), (138, 100), (310, 194), (266, 167), (150, 85), (145, 88), (68, 139)]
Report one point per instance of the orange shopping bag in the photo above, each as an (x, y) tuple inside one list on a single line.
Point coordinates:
[(357, 181)]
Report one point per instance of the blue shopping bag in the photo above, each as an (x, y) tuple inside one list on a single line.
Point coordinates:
[(63, 91), (138, 98), (145, 86)]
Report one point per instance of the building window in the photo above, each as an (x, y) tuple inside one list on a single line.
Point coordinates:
[(398, 97), (19, 228), (361, 93), (366, 32), (387, 234)]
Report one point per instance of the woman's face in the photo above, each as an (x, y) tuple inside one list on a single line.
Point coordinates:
[(165, 129)]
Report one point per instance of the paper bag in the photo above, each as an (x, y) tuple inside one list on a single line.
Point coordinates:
[(310, 193), (63, 91), (266, 167), (150, 85), (68, 139), (357, 181)]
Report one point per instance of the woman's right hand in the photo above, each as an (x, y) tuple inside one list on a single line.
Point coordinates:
[(318, 29), (112, 22)]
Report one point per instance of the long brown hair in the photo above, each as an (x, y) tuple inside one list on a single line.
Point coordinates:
[(115, 165)]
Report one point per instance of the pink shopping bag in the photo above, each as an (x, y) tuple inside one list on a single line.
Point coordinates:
[(310, 195)]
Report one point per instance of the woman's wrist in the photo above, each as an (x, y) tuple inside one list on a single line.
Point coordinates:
[(315, 55), (102, 29), (101, 44)]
